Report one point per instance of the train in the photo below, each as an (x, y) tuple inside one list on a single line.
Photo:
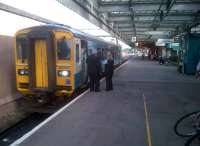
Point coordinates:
[(52, 59)]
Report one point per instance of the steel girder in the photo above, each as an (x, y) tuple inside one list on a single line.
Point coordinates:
[(171, 22), (102, 2), (148, 7), (153, 13), (150, 18)]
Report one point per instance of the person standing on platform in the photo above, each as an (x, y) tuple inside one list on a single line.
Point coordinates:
[(198, 70), (94, 71), (109, 69)]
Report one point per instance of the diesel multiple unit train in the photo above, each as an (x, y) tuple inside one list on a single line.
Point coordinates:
[(52, 58)]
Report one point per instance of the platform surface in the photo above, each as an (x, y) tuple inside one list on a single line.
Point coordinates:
[(117, 118)]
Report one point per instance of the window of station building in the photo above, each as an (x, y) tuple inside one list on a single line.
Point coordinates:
[(63, 49), (77, 53), (22, 51)]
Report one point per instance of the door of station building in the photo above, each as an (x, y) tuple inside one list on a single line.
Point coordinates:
[(41, 66)]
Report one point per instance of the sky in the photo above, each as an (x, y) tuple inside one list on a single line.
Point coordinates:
[(49, 9)]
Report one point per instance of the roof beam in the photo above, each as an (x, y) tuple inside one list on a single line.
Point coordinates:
[(171, 22), (163, 15), (149, 7), (94, 14), (150, 18), (142, 2), (125, 29), (152, 13), (132, 17), (159, 10), (147, 29), (186, 27), (166, 29), (123, 25), (146, 26), (126, 18)]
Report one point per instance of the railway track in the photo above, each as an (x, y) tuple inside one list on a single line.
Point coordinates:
[(36, 116), (19, 129)]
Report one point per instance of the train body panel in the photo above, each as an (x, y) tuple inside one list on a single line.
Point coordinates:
[(53, 58)]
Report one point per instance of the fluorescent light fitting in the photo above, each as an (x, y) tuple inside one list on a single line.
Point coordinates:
[(157, 33), (165, 40)]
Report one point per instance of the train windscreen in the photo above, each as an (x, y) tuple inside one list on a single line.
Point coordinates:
[(22, 49), (63, 49)]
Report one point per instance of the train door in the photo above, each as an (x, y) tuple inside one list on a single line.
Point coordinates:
[(77, 60), (83, 61), (78, 55), (41, 66)]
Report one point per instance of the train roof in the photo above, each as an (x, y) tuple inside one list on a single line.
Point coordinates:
[(75, 32)]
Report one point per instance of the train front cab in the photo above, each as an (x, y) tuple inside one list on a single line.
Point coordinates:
[(64, 47), (73, 65), (45, 63)]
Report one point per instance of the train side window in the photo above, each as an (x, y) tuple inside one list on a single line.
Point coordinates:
[(22, 51), (77, 53), (63, 49)]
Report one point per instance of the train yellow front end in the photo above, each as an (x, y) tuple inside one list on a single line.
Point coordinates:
[(44, 61)]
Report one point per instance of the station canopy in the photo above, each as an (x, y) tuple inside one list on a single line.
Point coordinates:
[(54, 12), (148, 20), (133, 20)]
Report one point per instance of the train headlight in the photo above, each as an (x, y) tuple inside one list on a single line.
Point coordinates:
[(64, 73), (23, 72)]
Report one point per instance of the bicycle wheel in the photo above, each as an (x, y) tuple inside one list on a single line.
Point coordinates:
[(188, 125), (193, 141)]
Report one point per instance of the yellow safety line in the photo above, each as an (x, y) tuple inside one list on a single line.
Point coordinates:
[(147, 122)]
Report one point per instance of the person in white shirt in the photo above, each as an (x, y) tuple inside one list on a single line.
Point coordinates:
[(198, 70)]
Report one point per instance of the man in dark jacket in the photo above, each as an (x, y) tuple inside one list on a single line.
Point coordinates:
[(109, 69), (94, 71)]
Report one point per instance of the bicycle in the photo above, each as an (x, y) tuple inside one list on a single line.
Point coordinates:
[(189, 126), (193, 141)]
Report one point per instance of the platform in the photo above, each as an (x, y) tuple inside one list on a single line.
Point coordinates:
[(147, 100)]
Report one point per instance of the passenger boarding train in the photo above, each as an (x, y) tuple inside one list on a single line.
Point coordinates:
[(52, 58)]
